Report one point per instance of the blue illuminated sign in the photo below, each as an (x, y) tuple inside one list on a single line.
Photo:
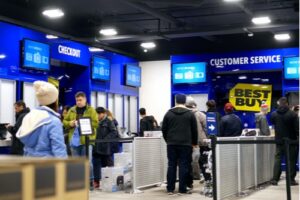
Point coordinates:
[(36, 55), (291, 68), (101, 69), (189, 73), (133, 75), (211, 122)]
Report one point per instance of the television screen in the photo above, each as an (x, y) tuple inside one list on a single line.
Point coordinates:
[(36, 55), (291, 68), (189, 73), (100, 69), (133, 75)]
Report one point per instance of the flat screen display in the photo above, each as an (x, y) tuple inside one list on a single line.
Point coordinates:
[(100, 69), (189, 73), (133, 75), (36, 55), (291, 68)]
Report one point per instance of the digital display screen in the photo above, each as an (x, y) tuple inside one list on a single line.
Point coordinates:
[(36, 55), (133, 75), (101, 69), (291, 68), (189, 73)]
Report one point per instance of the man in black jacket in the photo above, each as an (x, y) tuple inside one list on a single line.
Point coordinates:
[(180, 133), (230, 124), (286, 125), (21, 110), (147, 123), (102, 152)]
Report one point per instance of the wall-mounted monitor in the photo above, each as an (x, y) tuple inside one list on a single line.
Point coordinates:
[(133, 76), (189, 73), (291, 67), (100, 69), (35, 55)]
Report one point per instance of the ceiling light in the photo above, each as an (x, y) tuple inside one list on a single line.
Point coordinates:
[(256, 79), (148, 45), (218, 76), (53, 13), (51, 37), (265, 80), (230, 1), (250, 34), (283, 36), (94, 49), (261, 20), (2, 56), (108, 32), (235, 70), (242, 77), (145, 50)]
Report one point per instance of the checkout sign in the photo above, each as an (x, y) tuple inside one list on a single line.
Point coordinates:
[(249, 97)]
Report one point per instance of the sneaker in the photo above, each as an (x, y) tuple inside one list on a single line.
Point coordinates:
[(184, 193), (171, 193), (190, 187), (293, 183), (274, 182), (96, 184)]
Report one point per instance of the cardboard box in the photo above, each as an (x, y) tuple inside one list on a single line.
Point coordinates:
[(112, 179), (127, 147), (123, 160)]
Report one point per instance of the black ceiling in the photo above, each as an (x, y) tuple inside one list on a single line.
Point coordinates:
[(177, 26)]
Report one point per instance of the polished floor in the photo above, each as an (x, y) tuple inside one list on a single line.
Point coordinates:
[(158, 193)]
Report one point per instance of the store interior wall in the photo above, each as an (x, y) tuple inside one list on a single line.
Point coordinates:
[(155, 92)]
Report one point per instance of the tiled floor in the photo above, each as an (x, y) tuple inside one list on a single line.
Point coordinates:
[(159, 193)]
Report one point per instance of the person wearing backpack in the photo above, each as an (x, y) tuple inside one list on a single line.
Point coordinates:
[(147, 123)]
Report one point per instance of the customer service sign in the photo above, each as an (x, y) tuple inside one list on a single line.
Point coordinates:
[(249, 97)]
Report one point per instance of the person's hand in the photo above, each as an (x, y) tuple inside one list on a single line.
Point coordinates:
[(73, 123)]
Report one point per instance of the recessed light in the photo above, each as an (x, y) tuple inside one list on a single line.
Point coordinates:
[(108, 32), (261, 20), (242, 77), (265, 80), (148, 45), (2, 56), (250, 34), (53, 13), (231, 1), (218, 76), (256, 79), (94, 49), (282, 36), (145, 50), (51, 37)]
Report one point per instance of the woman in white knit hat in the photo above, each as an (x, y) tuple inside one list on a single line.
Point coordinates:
[(41, 130)]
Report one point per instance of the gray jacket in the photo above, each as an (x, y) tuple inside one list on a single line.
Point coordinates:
[(201, 126), (262, 124)]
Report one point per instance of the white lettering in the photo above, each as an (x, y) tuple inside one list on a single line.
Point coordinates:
[(69, 51)]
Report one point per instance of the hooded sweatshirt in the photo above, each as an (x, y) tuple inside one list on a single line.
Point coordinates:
[(180, 127), (286, 123), (42, 134)]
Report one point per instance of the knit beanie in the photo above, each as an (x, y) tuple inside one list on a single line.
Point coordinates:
[(180, 98), (45, 92)]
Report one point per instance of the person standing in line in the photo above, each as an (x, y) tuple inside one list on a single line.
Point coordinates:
[(261, 121), (65, 111), (180, 133), (41, 131), (286, 125), (77, 142), (201, 129), (230, 124), (21, 111), (103, 152)]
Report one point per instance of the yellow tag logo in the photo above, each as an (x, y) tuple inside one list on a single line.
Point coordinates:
[(249, 97)]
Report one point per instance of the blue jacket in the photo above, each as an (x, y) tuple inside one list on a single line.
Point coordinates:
[(41, 133)]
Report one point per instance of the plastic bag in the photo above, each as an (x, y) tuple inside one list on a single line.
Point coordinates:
[(75, 141)]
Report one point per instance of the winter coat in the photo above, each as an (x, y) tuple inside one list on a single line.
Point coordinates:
[(261, 123), (230, 126), (147, 123), (17, 146), (286, 123), (42, 134), (201, 126), (180, 127), (89, 112), (106, 130)]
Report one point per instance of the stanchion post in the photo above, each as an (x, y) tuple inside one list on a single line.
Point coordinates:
[(87, 144), (214, 166), (287, 165)]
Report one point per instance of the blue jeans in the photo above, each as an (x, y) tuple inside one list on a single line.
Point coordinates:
[(80, 152), (182, 155)]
